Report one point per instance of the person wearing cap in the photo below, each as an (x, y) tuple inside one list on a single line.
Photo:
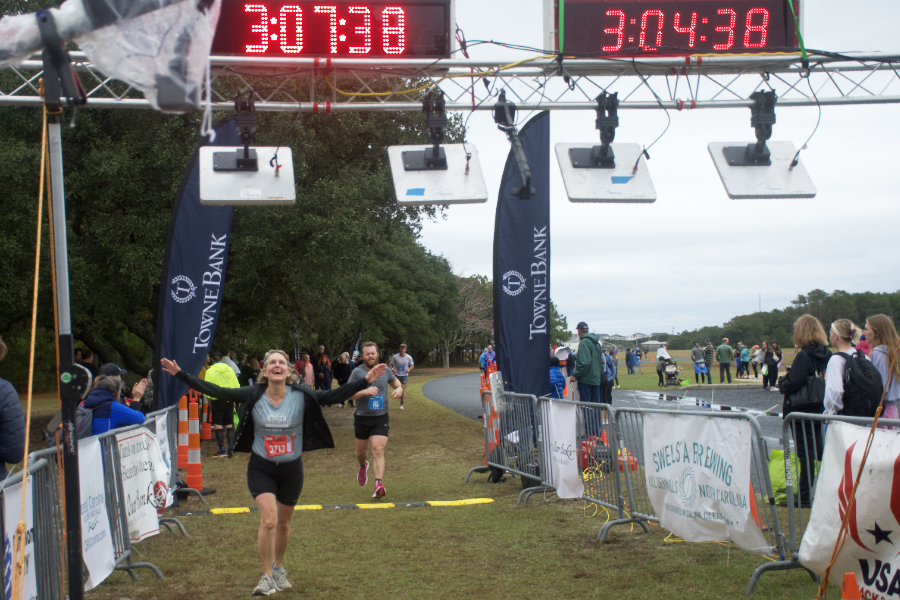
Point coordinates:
[(137, 390), (589, 366), (724, 354), (108, 410), (710, 352)]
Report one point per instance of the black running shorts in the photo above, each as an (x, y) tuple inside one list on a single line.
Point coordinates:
[(366, 427), (222, 412), (285, 480)]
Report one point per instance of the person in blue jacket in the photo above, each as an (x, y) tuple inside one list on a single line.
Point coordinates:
[(557, 379), (12, 423), (482, 361), (109, 411)]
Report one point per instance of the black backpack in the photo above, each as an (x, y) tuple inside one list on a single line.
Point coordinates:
[(84, 418), (863, 387)]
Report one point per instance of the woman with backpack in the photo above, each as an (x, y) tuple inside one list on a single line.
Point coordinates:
[(809, 336), (885, 355), (844, 335)]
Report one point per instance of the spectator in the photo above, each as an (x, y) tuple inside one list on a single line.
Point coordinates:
[(589, 369), (315, 357), (342, 370), (482, 361), (221, 411), (745, 361), (882, 334), (755, 359), (700, 368), (864, 347), (12, 423), (614, 355), (710, 351), (87, 359), (611, 373), (557, 379), (661, 368), (843, 336), (254, 366), (809, 336), (109, 411), (724, 354), (630, 360), (230, 359), (246, 376), (323, 373), (638, 360), (772, 359), (305, 370)]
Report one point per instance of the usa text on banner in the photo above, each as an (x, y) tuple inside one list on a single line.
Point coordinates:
[(870, 551), (12, 514), (96, 538), (564, 469), (145, 482), (697, 471)]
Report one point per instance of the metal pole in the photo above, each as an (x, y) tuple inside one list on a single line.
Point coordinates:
[(74, 379)]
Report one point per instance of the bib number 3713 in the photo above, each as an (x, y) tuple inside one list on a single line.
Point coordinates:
[(278, 445)]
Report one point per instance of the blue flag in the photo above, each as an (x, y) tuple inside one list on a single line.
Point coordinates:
[(193, 277), (522, 268)]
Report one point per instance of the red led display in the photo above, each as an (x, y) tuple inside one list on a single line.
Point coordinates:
[(334, 28), (676, 27)]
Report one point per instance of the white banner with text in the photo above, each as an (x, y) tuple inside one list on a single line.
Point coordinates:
[(12, 514), (560, 448), (697, 471), (145, 482), (870, 548), (96, 537)]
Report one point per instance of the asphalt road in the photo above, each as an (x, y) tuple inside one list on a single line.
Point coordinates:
[(460, 393)]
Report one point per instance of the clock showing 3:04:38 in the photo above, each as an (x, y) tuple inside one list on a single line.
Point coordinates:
[(676, 27)]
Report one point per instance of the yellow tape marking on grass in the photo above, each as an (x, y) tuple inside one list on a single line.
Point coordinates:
[(385, 505), (468, 502), (308, 507), (229, 511)]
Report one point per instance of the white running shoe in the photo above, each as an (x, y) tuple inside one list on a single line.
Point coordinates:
[(280, 578), (265, 587)]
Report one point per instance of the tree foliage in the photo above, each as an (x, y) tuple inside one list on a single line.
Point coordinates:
[(344, 253), (778, 324)]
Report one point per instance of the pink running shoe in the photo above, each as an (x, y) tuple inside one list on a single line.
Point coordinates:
[(379, 490), (362, 477)]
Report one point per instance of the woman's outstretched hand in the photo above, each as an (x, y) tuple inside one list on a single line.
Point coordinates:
[(170, 366), (376, 372)]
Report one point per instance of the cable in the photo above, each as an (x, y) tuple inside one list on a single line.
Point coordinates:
[(796, 159), (668, 117)]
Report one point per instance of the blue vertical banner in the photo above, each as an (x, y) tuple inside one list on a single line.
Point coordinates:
[(522, 267), (193, 277)]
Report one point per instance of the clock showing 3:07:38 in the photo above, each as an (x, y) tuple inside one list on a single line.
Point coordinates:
[(677, 27)]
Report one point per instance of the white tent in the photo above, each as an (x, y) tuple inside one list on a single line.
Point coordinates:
[(652, 345)]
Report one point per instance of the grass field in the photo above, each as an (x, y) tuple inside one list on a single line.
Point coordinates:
[(547, 549)]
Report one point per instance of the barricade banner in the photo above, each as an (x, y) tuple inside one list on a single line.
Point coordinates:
[(96, 538), (697, 472), (162, 440), (145, 482), (563, 453), (12, 514), (869, 550)]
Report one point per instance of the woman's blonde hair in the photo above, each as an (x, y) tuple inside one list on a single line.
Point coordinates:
[(254, 364), (809, 330), (344, 358), (292, 377), (846, 330), (886, 335)]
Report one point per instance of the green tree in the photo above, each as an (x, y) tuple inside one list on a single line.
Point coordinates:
[(559, 327)]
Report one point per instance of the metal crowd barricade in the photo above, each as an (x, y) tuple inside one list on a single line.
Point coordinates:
[(171, 414), (488, 434), (630, 433), (49, 548), (803, 434), (599, 462), (511, 436)]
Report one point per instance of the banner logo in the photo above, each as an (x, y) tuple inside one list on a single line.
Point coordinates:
[(184, 289), (513, 283), (688, 487)]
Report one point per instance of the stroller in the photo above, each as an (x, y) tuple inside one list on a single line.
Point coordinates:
[(671, 371)]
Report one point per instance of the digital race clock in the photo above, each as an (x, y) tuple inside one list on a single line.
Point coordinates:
[(676, 27), (334, 28)]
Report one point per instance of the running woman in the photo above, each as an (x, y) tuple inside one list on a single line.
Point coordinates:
[(370, 420), (280, 418), (401, 364)]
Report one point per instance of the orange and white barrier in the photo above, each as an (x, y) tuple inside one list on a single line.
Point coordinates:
[(183, 432), (194, 477)]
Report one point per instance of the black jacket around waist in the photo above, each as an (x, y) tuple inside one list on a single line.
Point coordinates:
[(316, 434)]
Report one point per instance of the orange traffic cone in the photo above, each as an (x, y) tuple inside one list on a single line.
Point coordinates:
[(753, 509), (183, 432), (850, 591), (194, 477)]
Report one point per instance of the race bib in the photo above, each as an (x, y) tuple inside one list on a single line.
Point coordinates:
[(278, 445), (376, 402), (401, 368)]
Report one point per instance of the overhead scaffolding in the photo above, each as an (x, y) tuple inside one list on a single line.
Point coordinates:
[(539, 83)]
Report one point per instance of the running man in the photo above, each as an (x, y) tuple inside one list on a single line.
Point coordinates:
[(370, 420), (401, 364)]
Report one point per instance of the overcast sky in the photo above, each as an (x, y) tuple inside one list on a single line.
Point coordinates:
[(696, 257)]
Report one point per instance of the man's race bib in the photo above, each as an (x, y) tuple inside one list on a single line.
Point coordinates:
[(376, 402), (278, 445), (401, 368)]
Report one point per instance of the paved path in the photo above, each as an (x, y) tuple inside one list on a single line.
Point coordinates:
[(460, 393)]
